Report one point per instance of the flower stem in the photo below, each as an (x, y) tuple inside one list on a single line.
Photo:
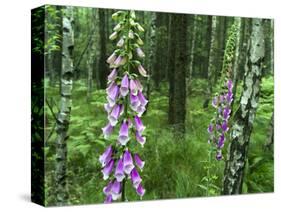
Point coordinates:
[(208, 171), (123, 197)]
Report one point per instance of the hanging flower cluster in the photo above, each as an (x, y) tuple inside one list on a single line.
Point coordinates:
[(126, 104), (219, 126)]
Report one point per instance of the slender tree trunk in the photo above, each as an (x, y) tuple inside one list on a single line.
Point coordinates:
[(211, 62), (157, 63), (90, 62), (177, 81), (171, 67), (102, 71), (191, 59), (151, 56), (271, 63), (235, 69), (47, 55), (63, 117), (221, 44), (245, 38), (90, 75), (245, 115)]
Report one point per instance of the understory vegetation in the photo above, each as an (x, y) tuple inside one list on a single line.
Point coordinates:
[(174, 165)]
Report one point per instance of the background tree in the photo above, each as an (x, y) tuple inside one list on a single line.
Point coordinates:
[(63, 117), (159, 64), (191, 57), (177, 69), (245, 115), (102, 72), (91, 53), (235, 69), (211, 62), (151, 57)]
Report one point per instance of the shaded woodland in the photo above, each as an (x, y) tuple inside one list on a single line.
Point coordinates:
[(186, 57)]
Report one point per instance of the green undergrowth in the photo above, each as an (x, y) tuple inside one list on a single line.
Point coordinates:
[(173, 162)]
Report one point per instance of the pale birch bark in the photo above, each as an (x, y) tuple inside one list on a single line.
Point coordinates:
[(245, 115), (63, 117)]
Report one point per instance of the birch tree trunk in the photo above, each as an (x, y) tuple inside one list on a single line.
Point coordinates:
[(245, 115), (211, 62), (63, 117)]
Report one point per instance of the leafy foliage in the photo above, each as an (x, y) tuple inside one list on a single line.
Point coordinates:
[(175, 163)]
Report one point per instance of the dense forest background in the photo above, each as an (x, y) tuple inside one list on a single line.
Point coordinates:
[(185, 57)]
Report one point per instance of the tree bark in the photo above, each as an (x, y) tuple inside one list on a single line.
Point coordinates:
[(151, 56), (158, 62), (90, 60), (235, 69), (211, 62), (102, 70), (171, 67), (245, 115), (271, 63), (63, 117), (178, 61), (191, 58), (221, 43), (244, 43), (90, 75)]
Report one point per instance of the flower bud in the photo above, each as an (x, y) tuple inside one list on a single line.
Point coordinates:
[(140, 28), (117, 27), (113, 36), (131, 34)]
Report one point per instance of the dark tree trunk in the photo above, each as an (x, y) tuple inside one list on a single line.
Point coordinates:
[(171, 67), (244, 44), (269, 47), (63, 117), (102, 71), (158, 63), (208, 43), (221, 43), (245, 115), (236, 63), (90, 56), (178, 65), (211, 62), (55, 63), (151, 56), (191, 58)]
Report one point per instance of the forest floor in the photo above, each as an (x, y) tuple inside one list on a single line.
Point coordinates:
[(174, 165)]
